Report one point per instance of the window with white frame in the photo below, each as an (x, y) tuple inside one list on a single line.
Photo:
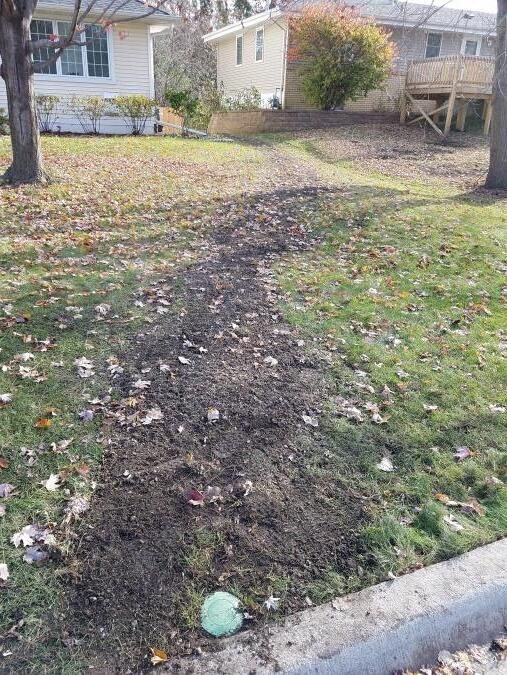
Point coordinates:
[(239, 50), (259, 44), (43, 30), (433, 45), (90, 60), (471, 47)]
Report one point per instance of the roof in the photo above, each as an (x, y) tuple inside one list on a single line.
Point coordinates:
[(412, 14), (389, 12), (130, 9)]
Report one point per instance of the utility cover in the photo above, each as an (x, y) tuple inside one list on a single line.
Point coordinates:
[(221, 615)]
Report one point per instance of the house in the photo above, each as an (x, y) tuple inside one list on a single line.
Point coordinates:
[(119, 62), (253, 52)]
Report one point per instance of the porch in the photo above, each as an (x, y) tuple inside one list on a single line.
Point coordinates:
[(451, 81)]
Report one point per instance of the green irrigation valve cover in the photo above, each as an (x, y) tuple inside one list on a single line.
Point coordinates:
[(221, 615)]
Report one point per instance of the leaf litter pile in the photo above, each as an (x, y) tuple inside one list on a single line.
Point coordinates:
[(248, 372)]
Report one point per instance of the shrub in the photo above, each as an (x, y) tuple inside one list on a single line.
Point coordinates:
[(135, 109), (343, 55), (248, 98), (183, 103), (45, 108), (4, 122), (89, 110)]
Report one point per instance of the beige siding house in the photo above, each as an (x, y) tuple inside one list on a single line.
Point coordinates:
[(253, 52), (119, 62)]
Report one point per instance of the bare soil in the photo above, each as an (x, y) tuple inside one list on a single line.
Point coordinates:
[(146, 552), (408, 152)]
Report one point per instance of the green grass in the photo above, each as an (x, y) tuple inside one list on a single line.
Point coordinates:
[(404, 295), (407, 291), (120, 214)]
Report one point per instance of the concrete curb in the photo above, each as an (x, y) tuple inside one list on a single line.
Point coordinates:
[(397, 624)]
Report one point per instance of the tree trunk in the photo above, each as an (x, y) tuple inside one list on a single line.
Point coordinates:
[(16, 71), (497, 176)]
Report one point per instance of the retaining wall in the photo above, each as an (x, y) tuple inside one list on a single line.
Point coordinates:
[(265, 121)]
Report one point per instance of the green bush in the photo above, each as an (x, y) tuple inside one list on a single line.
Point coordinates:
[(343, 55), (183, 103), (46, 110), (4, 122), (135, 109), (89, 110)]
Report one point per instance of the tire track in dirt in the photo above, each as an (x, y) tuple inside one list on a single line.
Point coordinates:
[(274, 518)]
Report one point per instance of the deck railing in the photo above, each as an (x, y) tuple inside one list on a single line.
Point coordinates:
[(471, 74)]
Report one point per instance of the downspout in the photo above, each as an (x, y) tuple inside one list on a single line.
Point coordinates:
[(284, 62)]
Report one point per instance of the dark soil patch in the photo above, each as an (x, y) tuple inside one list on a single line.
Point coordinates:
[(147, 557)]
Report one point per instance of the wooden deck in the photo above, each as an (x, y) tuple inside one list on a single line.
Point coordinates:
[(452, 81)]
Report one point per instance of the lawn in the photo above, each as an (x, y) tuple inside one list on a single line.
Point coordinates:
[(392, 288)]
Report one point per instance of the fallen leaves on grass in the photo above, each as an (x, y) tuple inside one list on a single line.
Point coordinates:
[(473, 506), (52, 483), (462, 453), (84, 367), (6, 490), (4, 463), (272, 603), (4, 572), (385, 464), (454, 524), (30, 534), (43, 423), (35, 554), (76, 506), (5, 399)]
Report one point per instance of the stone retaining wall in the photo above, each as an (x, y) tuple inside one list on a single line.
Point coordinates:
[(265, 121)]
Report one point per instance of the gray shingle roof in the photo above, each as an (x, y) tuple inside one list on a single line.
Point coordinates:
[(133, 8), (413, 14)]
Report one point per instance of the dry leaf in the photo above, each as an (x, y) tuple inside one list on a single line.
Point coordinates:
[(213, 415), (385, 464), (462, 453), (4, 463), (6, 489), (52, 483), (43, 423), (4, 572), (158, 656), (311, 421)]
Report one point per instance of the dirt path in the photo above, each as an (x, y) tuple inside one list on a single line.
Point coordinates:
[(147, 556)]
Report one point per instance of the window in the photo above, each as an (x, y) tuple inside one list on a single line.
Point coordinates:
[(471, 47), (90, 60), (433, 45), (259, 44), (97, 52), (43, 30), (239, 50), (72, 58)]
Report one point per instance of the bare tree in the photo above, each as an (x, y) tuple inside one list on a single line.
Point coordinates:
[(18, 68), (497, 176)]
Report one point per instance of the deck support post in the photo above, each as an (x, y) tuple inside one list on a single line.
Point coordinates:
[(487, 115), (462, 116), (424, 114), (452, 98), (450, 112)]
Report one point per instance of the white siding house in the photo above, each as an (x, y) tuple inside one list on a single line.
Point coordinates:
[(118, 62)]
